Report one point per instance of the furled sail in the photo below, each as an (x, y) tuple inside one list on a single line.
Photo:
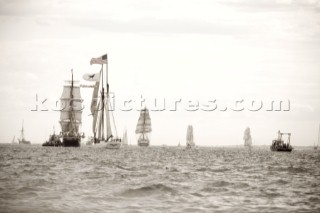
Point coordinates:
[(247, 137), (144, 122)]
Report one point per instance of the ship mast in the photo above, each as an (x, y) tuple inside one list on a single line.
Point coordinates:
[(71, 105), (102, 99)]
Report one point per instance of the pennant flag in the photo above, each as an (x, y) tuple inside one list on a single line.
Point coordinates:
[(91, 77), (101, 60)]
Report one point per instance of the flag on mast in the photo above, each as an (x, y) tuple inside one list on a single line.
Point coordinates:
[(100, 60), (91, 77)]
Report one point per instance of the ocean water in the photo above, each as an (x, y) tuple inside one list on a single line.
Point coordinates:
[(158, 179)]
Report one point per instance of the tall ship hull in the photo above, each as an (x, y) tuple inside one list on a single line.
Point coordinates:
[(71, 141)]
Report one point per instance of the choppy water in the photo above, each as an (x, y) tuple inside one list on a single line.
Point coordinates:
[(157, 179)]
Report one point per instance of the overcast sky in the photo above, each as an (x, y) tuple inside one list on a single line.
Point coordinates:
[(224, 50)]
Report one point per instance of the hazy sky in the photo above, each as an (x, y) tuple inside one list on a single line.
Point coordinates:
[(224, 50)]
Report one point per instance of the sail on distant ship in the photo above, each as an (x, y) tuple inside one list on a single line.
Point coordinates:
[(22, 140), (70, 115), (316, 146), (125, 138), (247, 137), (143, 128), (190, 143), (14, 140), (101, 124)]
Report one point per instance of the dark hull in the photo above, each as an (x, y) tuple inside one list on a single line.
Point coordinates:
[(51, 144), (53, 141), (280, 149), (71, 141)]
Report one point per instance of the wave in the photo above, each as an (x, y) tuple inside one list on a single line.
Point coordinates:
[(148, 190)]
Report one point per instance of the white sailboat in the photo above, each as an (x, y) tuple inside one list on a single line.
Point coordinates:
[(143, 128), (14, 140), (22, 140), (125, 138), (190, 142), (101, 125), (247, 137)]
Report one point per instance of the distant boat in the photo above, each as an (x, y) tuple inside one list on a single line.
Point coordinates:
[(14, 140), (316, 146), (70, 114), (125, 138), (89, 141), (54, 140), (279, 145), (101, 124), (247, 137), (143, 128), (22, 140), (190, 143)]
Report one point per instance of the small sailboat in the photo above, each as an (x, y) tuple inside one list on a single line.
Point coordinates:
[(22, 140), (247, 137), (70, 115), (14, 140), (101, 124), (143, 128), (315, 147), (279, 145), (190, 143), (125, 138)]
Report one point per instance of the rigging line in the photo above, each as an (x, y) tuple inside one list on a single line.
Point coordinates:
[(114, 123)]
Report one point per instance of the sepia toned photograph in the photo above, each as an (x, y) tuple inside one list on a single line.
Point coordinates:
[(140, 106)]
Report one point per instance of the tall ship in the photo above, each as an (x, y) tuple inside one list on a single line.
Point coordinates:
[(143, 128), (70, 114), (247, 137), (279, 145), (190, 142), (103, 132), (22, 140), (315, 147)]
